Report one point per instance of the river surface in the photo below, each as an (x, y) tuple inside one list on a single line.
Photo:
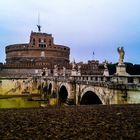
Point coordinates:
[(21, 102)]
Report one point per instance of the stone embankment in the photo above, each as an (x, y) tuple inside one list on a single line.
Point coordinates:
[(97, 122)]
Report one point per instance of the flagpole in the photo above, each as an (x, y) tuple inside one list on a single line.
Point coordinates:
[(93, 55)]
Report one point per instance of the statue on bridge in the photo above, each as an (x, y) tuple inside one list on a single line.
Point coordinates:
[(55, 72), (121, 55), (106, 71), (73, 65), (121, 68), (79, 70), (64, 71)]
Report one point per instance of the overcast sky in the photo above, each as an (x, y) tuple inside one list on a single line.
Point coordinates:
[(86, 26)]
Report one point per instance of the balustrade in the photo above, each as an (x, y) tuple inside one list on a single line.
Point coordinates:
[(101, 79)]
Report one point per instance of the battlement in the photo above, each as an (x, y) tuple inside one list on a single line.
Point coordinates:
[(40, 34), (16, 47)]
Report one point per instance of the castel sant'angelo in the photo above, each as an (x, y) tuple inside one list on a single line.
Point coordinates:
[(41, 53)]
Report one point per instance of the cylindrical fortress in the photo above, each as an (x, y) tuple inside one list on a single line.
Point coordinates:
[(40, 50)]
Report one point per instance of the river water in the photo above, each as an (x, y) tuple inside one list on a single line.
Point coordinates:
[(20, 102)]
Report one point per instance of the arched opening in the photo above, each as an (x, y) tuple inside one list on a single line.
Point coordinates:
[(90, 98), (63, 94), (50, 89), (45, 89)]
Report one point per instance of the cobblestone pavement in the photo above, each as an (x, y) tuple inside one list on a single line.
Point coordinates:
[(97, 122)]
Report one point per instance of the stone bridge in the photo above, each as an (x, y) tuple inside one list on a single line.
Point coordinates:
[(94, 89), (79, 90)]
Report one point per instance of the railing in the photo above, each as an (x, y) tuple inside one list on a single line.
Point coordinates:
[(131, 79), (119, 82)]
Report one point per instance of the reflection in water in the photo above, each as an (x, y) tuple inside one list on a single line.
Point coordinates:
[(18, 103)]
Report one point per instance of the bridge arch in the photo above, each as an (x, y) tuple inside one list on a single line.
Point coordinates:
[(51, 89), (63, 94), (90, 96)]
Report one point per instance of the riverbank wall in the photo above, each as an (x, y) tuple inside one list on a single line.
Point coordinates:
[(17, 86)]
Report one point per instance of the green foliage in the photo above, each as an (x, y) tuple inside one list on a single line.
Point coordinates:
[(112, 69), (130, 68)]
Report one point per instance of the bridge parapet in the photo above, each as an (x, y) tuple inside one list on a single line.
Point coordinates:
[(133, 79), (130, 79), (112, 82)]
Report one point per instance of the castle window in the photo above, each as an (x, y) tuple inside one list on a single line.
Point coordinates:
[(44, 40), (50, 42), (33, 41), (42, 45), (39, 40)]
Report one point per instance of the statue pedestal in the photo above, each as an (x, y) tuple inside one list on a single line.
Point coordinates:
[(55, 73), (73, 73), (121, 70), (106, 72), (79, 73)]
